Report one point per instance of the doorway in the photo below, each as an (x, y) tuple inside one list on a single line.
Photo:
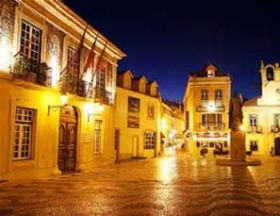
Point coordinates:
[(277, 146), (67, 149), (135, 143)]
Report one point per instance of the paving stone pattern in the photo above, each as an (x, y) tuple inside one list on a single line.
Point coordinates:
[(172, 185)]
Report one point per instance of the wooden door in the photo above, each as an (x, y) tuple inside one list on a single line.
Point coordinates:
[(277, 146), (67, 151)]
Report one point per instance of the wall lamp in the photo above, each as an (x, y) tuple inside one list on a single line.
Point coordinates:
[(94, 109), (64, 101)]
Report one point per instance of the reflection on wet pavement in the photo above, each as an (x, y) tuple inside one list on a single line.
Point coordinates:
[(176, 184)]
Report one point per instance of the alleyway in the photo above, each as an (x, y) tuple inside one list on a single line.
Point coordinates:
[(171, 185)]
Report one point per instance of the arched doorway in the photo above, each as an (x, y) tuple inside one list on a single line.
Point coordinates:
[(67, 150), (277, 146)]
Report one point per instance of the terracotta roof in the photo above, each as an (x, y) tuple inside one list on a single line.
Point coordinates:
[(251, 102), (203, 71)]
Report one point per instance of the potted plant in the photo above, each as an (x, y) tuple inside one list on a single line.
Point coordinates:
[(44, 74)]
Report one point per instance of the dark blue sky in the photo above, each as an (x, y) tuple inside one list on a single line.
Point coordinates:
[(167, 40)]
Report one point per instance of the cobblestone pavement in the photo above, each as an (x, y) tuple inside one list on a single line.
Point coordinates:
[(169, 185)]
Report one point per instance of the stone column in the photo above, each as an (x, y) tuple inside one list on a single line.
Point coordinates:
[(237, 146)]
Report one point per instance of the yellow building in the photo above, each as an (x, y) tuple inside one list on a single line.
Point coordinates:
[(262, 114), (137, 117), (172, 124), (56, 109), (206, 103)]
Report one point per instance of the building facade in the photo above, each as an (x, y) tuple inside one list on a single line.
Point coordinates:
[(172, 124), (137, 117), (57, 91), (206, 104), (262, 114)]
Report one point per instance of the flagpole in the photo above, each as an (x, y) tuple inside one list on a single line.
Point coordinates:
[(79, 56)]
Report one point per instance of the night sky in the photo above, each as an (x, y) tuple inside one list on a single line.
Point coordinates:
[(167, 40)]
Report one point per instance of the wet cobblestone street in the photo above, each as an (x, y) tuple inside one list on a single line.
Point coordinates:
[(170, 185)]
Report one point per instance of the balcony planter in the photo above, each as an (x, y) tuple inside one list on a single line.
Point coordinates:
[(30, 77), (44, 77)]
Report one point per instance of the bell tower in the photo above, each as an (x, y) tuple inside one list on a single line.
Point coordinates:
[(270, 77)]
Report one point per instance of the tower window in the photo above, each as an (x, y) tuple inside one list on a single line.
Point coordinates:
[(269, 74)]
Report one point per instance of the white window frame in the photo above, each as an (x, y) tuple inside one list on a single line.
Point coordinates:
[(98, 137), (28, 40), (23, 133), (150, 140), (253, 120)]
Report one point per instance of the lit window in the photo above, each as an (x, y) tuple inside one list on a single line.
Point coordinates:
[(72, 62), (149, 140), (253, 145), (30, 45), (100, 81), (204, 95), (253, 120), (210, 73), (23, 133), (97, 137), (218, 94), (151, 111)]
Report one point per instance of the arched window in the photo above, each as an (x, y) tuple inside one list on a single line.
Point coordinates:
[(54, 53), (269, 74)]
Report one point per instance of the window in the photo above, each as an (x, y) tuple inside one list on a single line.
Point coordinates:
[(100, 77), (72, 62), (277, 120), (97, 136), (30, 45), (210, 73), (204, 95), (218, 95), (269, 74), (149, 140), (23, 133), (151, 111), (253, 145), (133, 114), (211, 118), (253, 120)]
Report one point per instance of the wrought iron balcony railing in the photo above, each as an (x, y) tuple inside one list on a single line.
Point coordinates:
[(208, 106), (215, 126), (28, 70), (103, 96), (85, 89), (255, 129)]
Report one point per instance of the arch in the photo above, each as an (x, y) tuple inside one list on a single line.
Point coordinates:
[(270, 73), (68, 139)]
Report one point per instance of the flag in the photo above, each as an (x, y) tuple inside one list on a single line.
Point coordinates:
[(90, 59), (100, 59), (80, 54)]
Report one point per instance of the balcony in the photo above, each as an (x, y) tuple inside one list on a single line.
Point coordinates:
[(102, 96), (215, 126), (255, 129), (28, 70), (275, 128), (211, 106)]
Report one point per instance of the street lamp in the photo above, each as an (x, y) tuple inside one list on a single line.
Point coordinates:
[(64, 101)]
